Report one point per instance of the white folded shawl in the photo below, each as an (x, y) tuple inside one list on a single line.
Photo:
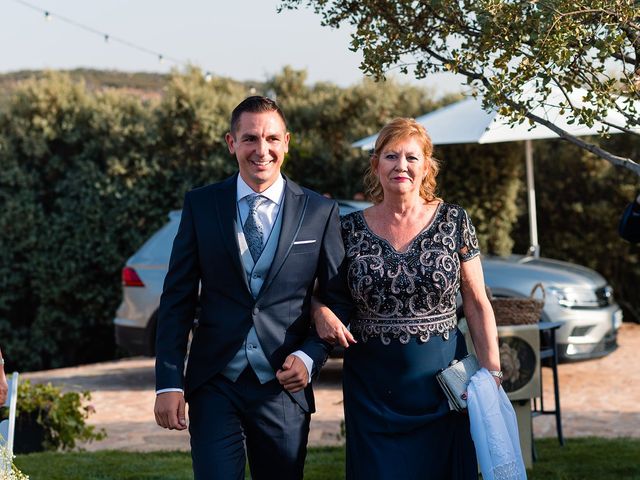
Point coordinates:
[(494, 429)]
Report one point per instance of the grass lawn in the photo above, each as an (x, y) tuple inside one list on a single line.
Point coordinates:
[(580, 459)]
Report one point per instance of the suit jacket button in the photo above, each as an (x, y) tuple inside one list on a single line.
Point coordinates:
[(256, 310)]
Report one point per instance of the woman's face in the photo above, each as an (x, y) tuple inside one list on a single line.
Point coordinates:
[(402, 166)]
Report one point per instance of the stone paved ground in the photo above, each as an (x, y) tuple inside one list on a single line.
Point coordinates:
[(595, 398)]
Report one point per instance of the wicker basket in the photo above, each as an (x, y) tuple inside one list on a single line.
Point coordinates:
[(518, 311)]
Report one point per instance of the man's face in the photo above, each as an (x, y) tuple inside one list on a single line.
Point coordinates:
[(259, 143)]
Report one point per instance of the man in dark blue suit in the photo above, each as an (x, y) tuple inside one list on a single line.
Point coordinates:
[(249, 250), (629, 226)]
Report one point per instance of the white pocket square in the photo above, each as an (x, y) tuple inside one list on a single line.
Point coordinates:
[(304, 242)]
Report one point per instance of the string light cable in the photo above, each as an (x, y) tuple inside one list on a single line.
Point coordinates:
[(49, 15)]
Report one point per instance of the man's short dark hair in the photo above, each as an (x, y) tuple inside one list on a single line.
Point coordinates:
[(255, 104)]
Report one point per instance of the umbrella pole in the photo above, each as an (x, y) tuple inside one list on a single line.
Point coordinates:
[(534, 248)]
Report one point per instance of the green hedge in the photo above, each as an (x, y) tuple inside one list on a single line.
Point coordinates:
[(85, 178), (485, 179)]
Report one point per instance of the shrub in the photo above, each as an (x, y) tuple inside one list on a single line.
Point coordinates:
[(61, 415)]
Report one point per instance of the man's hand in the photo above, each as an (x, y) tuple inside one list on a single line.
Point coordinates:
[(329, 327), (169, 410), (293, 375)]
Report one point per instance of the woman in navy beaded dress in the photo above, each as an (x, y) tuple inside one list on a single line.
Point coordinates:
[(407, 257)]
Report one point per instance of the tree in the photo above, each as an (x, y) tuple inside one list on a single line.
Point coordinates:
[(506, 49)]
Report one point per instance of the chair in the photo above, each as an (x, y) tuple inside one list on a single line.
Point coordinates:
[(7, 426)]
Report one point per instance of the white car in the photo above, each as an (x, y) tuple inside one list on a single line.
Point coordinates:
[(578, 297)]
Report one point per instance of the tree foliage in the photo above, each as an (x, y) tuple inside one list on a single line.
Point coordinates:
[(514, 53)]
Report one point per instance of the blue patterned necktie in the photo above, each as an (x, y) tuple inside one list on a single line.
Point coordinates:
[(253, 229)]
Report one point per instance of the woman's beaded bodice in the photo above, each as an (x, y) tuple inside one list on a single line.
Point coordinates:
[(403, 294)]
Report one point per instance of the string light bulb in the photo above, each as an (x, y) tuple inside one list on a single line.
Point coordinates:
[(160, 59), (208, 77), (47, 16)]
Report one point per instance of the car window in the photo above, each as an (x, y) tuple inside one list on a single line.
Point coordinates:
[(349, 206), (157, 249)]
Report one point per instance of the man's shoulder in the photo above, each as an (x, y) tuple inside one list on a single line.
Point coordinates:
[(208, 190), (317, 197), (318, 201), (314, 198)]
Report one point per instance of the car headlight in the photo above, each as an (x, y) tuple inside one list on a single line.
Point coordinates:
[(575, 297)]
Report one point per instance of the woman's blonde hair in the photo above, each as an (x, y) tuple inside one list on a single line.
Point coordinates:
[(400, 129)]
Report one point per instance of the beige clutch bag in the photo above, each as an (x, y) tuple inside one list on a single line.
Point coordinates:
[(454, 381)]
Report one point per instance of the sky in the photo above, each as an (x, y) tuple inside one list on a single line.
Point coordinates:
[(241, 39)]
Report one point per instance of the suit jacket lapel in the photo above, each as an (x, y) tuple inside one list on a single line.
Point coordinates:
[(226, 207), (295, 202)]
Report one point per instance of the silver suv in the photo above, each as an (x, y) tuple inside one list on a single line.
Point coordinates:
[(578, 297)]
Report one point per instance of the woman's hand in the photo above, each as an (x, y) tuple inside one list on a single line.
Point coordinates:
[(328, 326)]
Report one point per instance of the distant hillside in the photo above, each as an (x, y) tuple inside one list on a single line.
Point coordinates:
[(95, 79), (144, 84)]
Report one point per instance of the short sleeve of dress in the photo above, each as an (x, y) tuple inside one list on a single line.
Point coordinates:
[(468, 246)]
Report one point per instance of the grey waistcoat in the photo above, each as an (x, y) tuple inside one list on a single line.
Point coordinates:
[(251, 352)]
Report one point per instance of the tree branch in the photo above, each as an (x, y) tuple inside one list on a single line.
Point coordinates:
[(624, 58), (596, 150), (614, 159), (571, 47), (618, 127)]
